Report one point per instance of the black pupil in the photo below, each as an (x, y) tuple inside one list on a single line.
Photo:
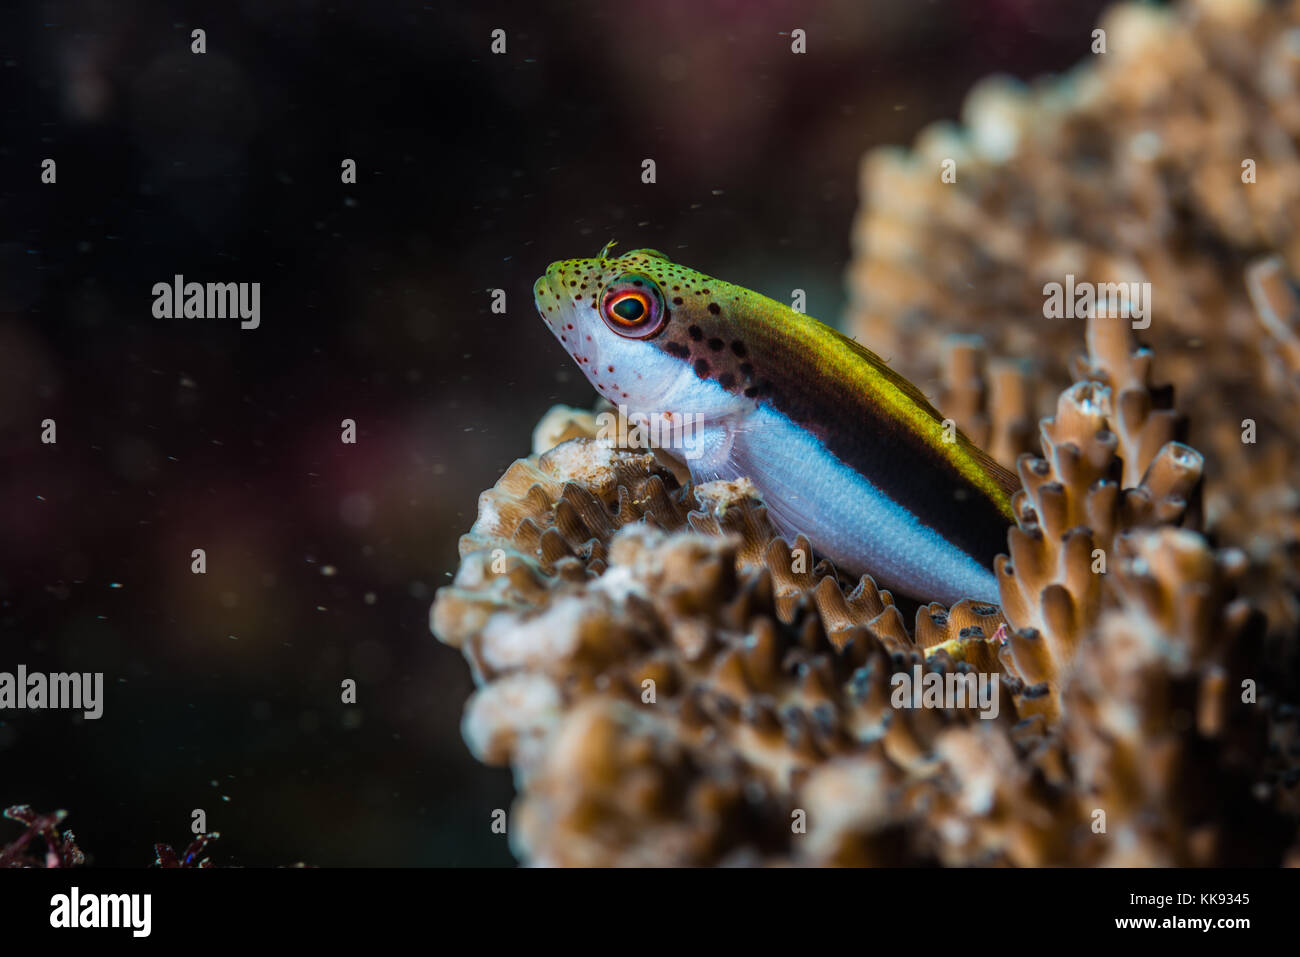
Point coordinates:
[(629, 309)]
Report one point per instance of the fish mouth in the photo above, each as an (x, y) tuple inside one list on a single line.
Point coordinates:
[(566, 318), (548, 294)]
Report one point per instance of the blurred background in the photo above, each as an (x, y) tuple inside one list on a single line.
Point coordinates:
[(474, 171)]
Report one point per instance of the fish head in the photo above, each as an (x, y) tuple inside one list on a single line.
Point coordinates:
[(648, 333)]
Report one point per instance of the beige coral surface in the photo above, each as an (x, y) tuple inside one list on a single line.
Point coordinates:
[(673, 684), (1133, 167)]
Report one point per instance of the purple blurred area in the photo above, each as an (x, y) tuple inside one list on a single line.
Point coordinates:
[(474, 172)]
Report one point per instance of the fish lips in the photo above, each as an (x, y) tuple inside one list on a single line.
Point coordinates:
[(581, 342)]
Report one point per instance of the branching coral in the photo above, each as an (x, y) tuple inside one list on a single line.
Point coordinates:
[(674, 684), (41, 844), (994, 408), (1173, 157), (1109, 465)]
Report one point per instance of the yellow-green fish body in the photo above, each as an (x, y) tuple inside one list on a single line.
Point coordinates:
[(842, 448)]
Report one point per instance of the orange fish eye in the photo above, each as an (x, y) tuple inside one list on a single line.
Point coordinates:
[(633, 306), (629, 307)]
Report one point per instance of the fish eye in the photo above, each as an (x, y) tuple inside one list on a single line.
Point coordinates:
[(633, 306), (629, 307)]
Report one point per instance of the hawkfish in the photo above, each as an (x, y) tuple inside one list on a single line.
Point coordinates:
[(841, 447)]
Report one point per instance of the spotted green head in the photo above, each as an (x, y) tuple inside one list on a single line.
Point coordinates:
[(641, 327)]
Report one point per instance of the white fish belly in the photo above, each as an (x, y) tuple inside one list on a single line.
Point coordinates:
[(847, 518)]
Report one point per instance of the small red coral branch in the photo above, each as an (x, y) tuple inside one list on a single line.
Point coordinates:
[(194, 856), (60, 850)]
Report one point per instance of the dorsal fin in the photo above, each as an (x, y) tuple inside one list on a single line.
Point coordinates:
[(895, 378), (647, 252), (1006, 479), (1003, 477)]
